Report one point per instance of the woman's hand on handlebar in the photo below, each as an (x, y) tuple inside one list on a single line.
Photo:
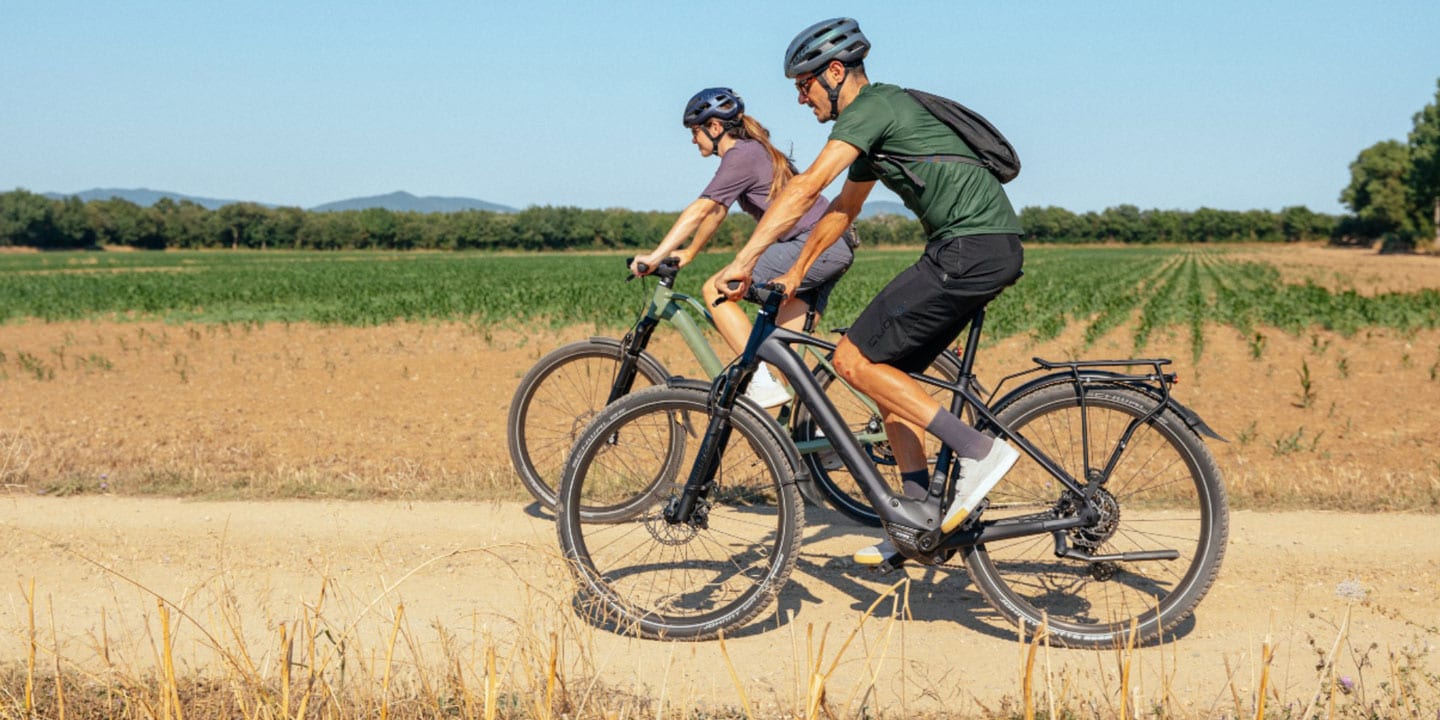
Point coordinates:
[(642, 265)]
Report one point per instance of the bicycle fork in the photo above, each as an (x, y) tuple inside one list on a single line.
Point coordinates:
[(691, 505), (631, 346)]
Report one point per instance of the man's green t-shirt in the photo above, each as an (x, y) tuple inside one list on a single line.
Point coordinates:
[(957, 198)]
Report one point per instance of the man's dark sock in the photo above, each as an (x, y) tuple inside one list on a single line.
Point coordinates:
[(917, 483), (966, 441)]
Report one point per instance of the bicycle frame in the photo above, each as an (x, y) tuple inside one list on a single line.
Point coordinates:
[(671, 305), (914, 524)]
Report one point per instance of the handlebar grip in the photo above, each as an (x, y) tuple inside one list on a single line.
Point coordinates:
[(640, 266), (733, 285), (672, 262)]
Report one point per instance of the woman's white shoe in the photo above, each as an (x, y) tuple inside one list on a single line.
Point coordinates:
[(765, 390), (875, 554)]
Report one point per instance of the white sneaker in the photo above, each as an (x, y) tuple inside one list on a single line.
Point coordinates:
[(977, 479), (765, 390), (876, 554)]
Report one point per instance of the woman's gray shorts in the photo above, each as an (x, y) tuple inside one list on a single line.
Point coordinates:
[(822, 276)]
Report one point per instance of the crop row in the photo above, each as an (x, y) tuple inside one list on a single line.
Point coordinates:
[(1098, 287)]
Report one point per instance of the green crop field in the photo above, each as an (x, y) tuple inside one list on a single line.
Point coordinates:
[(1099, 287)]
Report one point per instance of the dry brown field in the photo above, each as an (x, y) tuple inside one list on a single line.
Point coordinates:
[(239, 472)]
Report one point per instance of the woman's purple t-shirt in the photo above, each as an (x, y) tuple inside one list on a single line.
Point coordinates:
[(744, 175)]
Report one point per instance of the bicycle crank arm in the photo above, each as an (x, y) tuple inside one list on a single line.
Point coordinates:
[(1008, 529)]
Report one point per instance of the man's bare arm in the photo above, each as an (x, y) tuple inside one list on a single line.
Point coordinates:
[(795, 199)]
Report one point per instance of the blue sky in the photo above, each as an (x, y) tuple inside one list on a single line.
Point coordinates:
[(1233, 105)]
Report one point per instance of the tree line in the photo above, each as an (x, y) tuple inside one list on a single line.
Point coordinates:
[(31, 220), (1394, 195), (1394, 189)]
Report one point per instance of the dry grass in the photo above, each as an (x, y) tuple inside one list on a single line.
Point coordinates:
[(199, 657)]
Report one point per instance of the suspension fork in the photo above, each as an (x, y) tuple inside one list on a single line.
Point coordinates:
[(685, 508), (631, 346), (726, 390)]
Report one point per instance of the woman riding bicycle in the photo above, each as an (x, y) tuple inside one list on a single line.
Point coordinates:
[(751, 172)]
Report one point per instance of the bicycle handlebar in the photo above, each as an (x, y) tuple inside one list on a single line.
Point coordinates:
[(766, 295), (667, 267)]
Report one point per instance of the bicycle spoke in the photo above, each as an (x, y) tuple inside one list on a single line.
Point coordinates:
[(1161, 496), (674, 577)]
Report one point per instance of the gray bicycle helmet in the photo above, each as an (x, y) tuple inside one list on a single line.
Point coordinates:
[(833, 39), (721, 103)]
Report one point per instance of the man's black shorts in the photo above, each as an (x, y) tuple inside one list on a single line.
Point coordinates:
[(925, 307)]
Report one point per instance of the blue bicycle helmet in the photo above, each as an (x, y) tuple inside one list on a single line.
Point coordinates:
[(720, 103), (833, 39)]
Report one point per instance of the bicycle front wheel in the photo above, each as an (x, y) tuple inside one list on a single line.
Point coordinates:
[(1162, 532), (691, 580), (554, 402)]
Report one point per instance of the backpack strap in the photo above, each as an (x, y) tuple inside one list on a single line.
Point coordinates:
[(898, 161)]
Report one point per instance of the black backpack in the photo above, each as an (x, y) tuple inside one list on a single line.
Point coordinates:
[(994, 151)]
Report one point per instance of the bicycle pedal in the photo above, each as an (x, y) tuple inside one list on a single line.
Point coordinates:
[(890, 565), (973, 519)]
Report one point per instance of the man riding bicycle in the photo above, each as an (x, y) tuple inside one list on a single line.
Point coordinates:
[(973, 252)]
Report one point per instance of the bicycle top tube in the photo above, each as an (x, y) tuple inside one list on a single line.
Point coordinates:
[(670, 305)]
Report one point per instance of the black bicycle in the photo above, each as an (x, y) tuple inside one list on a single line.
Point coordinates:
[(569, 386), (1113, 521)]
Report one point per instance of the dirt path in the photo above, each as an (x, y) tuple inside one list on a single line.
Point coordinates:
[(488, 573)]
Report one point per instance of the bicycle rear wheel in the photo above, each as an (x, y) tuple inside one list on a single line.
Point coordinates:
[(1164, 495), (554, 402), (833, 478), (692, 580)]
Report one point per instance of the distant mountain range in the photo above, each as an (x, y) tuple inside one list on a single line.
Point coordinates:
[(399, 201), (144, 197)]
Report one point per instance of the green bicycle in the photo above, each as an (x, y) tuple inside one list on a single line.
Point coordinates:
[(559, 396)]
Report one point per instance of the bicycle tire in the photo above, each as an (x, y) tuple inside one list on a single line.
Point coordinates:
[(648, 578), (836, 482), (554, 402), (1165, 493)]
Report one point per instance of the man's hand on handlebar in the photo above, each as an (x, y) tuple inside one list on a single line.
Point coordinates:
[(788, 282), (758, 294), (732, 282)]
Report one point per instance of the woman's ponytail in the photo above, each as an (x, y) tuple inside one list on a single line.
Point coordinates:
[(751, 129)]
